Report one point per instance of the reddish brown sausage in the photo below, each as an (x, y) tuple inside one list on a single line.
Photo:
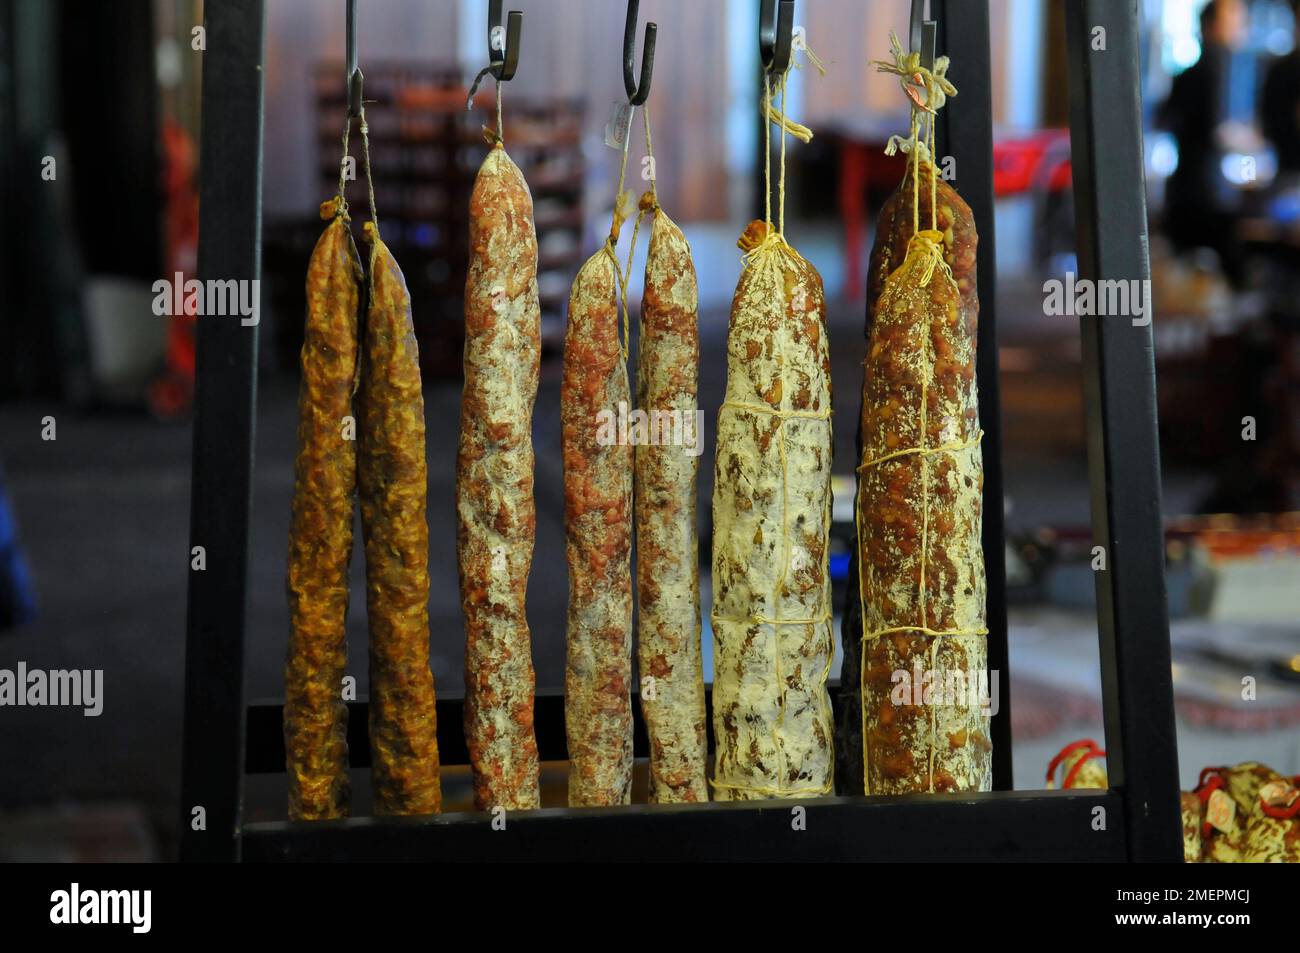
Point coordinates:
[(495, 516), (598, 542), (667, 562)]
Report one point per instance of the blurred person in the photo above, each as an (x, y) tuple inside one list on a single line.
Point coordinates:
[(1198, 199), (1279, 106)]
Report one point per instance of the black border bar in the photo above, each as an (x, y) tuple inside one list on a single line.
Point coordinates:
[(1056, 826), (1123, 446), (965, 131)]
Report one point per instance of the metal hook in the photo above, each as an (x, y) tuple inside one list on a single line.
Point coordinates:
[(355, 79), (914, 26), (503, 42), (636, 94), (775, 35), (922, 34)]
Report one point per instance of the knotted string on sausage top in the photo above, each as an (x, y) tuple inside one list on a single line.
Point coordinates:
[(342, 201), (494, 137), (776, 236)]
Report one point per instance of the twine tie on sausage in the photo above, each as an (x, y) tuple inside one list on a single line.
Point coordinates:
[(370, 180), (648, 204), (764, 253), (927, 90), (904, 144), (930, 246), (787, 125), (497, 136), (343, 167), (916, 79)]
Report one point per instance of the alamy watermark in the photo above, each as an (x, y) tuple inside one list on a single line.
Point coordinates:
[(654, 428), (133, 908), (1085, 297), (953, 689), (214, 297), (56, 688)]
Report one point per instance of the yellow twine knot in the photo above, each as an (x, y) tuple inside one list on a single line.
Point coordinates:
[(778, 116), (927, 89), (929, 244)]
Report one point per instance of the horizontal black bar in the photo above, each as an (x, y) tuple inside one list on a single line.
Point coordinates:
[(1059, 826)]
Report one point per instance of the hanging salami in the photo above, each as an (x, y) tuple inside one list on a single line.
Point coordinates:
[(320, 529), (495, 514), (598, 542), (392, 480), (893, 235), (924, 682), (771, 615), (668, 576)]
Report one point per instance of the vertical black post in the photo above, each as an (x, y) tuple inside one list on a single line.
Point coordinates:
[(1123, 449), (230, 228), (966, 134)]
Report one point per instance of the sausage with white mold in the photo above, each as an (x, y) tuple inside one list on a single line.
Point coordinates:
[(597, 542), (667, 563), (496, 522), (771, 508)]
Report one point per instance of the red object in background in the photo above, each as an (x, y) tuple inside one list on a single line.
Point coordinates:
[(172, 391), (863, 164), (1036, 164), (1039, 162)]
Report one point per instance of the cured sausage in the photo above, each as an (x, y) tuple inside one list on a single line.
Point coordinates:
[(771, 510), (920, 561), (496, 520), (893, 234), (393, 482), (598, 541), (667, 563), (1229, 800), (320, 530), (1273, 832), (1190, 808)]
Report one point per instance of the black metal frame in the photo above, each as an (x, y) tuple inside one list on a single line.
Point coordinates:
[(1139, 816), (966, 130), (225, 400)]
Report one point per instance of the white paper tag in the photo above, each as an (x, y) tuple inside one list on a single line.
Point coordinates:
[(620, 121)]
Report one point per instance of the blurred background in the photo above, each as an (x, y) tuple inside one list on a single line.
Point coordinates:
[(100, 120)]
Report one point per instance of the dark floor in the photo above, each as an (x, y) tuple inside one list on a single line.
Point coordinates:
[(103, 516)]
